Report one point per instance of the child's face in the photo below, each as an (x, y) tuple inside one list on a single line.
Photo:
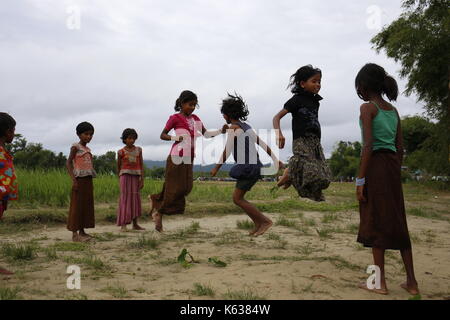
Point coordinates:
[(129, 141), (86, 136), (312, 84), (10, 135), (188, 107), (227, 118)]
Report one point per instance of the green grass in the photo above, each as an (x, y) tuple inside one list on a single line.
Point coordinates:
[(117, 291), (203, 290), (71, 246), (285, 222), (19, 252), (330, 217), (91, 261), (145, 243), (10, 293), (244, 294), (245, 224)]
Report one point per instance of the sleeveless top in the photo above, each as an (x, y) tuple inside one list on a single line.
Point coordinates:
[(8, 183), (82, 163), (131, 161), (384, 129), (248, 165)]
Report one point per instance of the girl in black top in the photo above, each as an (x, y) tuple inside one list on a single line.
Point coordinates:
[(307, 169)]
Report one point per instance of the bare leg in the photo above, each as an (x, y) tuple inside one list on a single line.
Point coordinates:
[(378, 259), (136, 226), (262, 223), (84, 236), (411, 283), (75, 237), (123, 228), (157, 217)]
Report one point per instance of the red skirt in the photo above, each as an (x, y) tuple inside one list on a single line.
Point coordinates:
[(81, 212), (130, 199)]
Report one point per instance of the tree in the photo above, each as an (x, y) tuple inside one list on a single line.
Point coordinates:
[(419, 40), (344, 161), (416, 130), (105, 163)]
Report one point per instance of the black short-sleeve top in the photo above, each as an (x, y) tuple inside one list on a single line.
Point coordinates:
[(304, 107)]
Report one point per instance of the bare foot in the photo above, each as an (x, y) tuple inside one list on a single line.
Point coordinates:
[(254, 230), (85, 235), (6, 272), (137, 227), (412, 289), (383, 291), (263, 228), (76, 238), (123, 229), (152, 207), (284, 178), (157, 217)]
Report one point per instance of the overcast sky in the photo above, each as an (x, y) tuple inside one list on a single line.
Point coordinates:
[(120, 64)]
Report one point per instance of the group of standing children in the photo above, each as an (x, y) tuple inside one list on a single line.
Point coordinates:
[(379, 191)]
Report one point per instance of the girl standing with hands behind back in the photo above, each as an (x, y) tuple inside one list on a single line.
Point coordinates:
[(131, 177), (378, 186)]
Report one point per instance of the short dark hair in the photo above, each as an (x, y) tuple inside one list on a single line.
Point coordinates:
[(127, 133), (373, 78), (302, 74), (6, 123), (185, 96), (83, 127), (234, 107)]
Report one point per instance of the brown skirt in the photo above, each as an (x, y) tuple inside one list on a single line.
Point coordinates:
[(81, 212), (382, 217), (177, 185)]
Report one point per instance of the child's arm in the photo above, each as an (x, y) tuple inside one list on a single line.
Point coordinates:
[(141, 177), (213, 133), (69, 166), (165, 136), (227, 151), (367, 113), (276, 125), (399, 139), (119, 163)]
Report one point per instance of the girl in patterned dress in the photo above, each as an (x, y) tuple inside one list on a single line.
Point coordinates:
[(81, 170), (307, 170), (8, 182), (131, 176)]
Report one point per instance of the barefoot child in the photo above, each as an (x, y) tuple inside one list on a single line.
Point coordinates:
[(81, 170), (178, 175), (241, 142), (379, 189), (307, 169), (8, 183), (131, 176)]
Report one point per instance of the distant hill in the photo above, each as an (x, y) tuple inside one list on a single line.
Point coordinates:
[(197, 168)]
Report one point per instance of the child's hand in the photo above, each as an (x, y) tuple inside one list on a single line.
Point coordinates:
[(359, 194), (280, 140), (214, 172), (179, 138), (225, 128)]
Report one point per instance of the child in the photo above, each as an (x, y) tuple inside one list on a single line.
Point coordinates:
[(178, 175), (307, 169), (379, 189), (241, 141), (131, 175), (81, 170), (8, 182)]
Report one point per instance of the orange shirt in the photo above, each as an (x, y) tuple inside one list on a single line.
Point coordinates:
[(82, 163), (131, 161)]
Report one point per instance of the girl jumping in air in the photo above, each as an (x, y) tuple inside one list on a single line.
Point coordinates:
[(178, 175), (81, 169), (131, 176), (241, 142), (378, 186), (307, 170)]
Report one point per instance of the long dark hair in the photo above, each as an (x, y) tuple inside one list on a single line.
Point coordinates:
[(234, 107), (373, 78), (302, 74), (185, 96), (6, 123)]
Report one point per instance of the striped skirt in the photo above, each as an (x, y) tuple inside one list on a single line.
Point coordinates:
[(382, 217), (130, 199)]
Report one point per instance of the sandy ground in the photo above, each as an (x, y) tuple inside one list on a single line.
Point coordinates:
[(285, 263)]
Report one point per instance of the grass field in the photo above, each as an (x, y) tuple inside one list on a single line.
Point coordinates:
[(309, 253)]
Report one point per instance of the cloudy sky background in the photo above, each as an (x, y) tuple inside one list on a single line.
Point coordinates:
[(130, 60)]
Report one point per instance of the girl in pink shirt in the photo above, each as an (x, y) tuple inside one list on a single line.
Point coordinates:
[(178, 175)]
